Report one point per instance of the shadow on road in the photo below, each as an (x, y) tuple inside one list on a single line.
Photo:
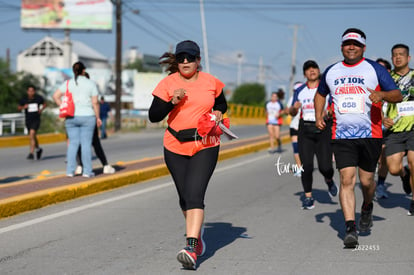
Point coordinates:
[(337, 222), (46, 157), (395, 200), (320, 196), (13, 179), (218, 235)]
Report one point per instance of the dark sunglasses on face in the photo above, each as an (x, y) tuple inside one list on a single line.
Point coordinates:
[(182, 56)]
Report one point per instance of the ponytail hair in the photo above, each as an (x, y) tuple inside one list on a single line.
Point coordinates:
[(78, 69), (168, 60)]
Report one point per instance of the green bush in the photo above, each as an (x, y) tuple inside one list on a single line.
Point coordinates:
[(51, 124), (249, 94)]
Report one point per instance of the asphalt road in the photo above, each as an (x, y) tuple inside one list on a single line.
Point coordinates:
[(254, 225), (121, 147)]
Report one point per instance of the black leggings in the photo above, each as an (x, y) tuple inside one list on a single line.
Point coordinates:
[(96, 143), (313, 142), (191, 175)]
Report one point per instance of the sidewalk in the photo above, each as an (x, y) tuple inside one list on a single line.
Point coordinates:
[(28, 195)]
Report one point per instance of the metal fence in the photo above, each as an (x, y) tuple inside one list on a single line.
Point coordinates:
[(12, 124)]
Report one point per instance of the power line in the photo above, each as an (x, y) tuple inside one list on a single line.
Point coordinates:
[(285, 6), (9, 20), (146, 31)]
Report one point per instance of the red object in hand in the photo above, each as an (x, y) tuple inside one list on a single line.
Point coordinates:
[(207, 125)]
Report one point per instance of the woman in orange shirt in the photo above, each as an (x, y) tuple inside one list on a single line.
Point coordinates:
[(185, 95)]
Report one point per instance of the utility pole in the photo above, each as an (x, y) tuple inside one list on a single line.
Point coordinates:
[(293, 72), (261, 76), (203, 28), (8, 59), (67, 49), (118, 68), (239, 68)]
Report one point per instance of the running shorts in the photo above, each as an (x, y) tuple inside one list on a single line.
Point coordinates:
[(363, 153)]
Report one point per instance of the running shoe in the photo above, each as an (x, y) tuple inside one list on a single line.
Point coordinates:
[(381, 191), (108, 169), (365, 221), (411, 210), (298, 173), (30, 156), (187, 257), (406, 181), (39, 152), (308, 203), (332, 189), (201, 246), (351, 237)]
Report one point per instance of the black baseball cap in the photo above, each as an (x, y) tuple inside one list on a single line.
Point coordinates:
[(309, 64), (189, 47)]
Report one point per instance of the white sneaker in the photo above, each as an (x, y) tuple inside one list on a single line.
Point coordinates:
[(89, 175), (297, 173), (108, 169), (78, 170)]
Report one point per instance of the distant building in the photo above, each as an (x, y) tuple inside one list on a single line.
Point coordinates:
[(149, 63), (52, 53)]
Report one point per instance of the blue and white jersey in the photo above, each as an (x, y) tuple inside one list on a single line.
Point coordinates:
[(294, 121), (304, 94), (273, 110), (355, 116)]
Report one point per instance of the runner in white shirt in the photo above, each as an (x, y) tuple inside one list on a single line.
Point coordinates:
[(274, 113), (293, 132), (312, 141), (357, 86)]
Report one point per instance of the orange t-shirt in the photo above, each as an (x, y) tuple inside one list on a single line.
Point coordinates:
[(199, 99)]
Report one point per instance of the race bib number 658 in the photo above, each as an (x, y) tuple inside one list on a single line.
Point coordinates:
[(351, 104)]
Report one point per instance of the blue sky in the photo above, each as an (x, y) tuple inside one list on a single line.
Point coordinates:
[(255, 28)]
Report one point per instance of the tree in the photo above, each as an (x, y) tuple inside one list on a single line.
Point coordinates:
[(144, 65), (136, 65), (13, 87), (249, 94)]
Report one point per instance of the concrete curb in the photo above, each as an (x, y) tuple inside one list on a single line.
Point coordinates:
[(22, 203), (15, 141)]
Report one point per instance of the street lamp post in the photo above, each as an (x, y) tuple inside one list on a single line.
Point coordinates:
[(118, 69), (239, 68)]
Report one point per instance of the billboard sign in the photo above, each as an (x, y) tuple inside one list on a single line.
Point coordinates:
[(67, 14)]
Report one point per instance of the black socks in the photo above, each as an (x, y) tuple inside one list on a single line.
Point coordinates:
[(193, 242)]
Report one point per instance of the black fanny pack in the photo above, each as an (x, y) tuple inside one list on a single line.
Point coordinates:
[(185, 135)]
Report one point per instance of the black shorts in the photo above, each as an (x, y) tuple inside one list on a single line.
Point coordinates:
[(293, 132), (399, 142), (363, 153), (33, 124)]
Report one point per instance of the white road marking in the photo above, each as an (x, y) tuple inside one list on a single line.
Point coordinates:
[(110, 200)]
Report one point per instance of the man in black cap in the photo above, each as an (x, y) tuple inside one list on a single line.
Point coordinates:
[(311, 140), (357, 87)]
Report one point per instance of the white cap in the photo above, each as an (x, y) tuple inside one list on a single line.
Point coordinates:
[(353, 36)]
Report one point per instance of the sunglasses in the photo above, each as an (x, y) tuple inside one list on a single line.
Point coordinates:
[(182, 56)]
